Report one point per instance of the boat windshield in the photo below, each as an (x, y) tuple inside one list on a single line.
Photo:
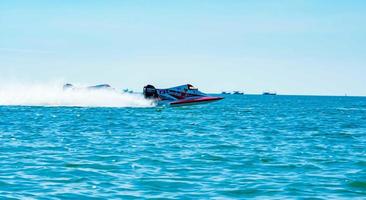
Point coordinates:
[(190, 87)]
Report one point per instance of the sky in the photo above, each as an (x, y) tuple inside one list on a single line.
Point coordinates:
[(305, 47)]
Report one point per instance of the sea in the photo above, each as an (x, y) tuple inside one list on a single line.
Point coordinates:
[(243, 147)]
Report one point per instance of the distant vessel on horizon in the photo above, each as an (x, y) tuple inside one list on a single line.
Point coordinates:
[(127, 91), (238, 93), (234, 92), (68, 86), (269, 93)]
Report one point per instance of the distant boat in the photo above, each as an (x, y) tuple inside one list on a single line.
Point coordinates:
[(225, 92), (127, 91), (269, 94), (69, 86), (238, 93), (101, 86)]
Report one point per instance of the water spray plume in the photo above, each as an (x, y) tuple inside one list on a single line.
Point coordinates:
[(54, 95)]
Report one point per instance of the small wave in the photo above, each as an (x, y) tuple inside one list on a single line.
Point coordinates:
[(54, 95), (352, 109)]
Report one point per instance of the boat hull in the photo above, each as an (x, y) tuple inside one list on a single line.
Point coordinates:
[(195, 101)]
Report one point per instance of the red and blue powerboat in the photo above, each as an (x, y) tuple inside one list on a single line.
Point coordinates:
[(178, 96)]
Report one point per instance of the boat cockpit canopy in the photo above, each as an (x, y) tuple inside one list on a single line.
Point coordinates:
[(191, 87)]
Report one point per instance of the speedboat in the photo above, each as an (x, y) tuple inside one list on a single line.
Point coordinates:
[(178, 96)]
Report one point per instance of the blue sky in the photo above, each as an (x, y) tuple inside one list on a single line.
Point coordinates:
[(288, 46)]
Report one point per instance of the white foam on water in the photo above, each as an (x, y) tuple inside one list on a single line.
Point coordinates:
[(52, 94)]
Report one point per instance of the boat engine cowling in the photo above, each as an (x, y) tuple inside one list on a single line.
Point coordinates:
[(150, 92)]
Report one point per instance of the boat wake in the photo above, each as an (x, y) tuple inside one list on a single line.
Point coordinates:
[(54, 95)]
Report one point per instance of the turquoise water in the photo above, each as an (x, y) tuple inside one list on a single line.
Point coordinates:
[(269, 147)]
